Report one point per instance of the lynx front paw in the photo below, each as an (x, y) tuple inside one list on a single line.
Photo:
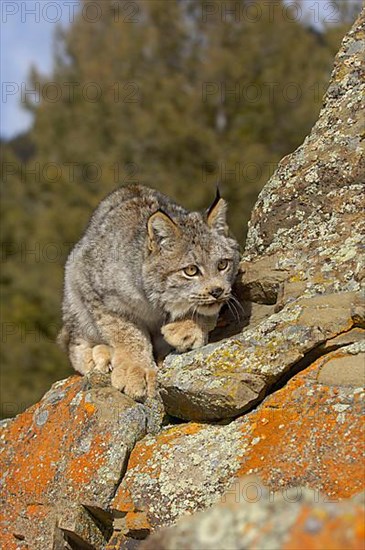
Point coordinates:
[(184, 335), (101, 355), (134, 380)]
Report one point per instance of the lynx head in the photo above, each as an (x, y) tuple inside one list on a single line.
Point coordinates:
[(192, 261)]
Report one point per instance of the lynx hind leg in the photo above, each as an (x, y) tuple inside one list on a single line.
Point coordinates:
[(185, 334), (81, 355), (102, 356), (63, 338)]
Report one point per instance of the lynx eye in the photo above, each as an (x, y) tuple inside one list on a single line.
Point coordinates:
[(222, 265), (191, 270)]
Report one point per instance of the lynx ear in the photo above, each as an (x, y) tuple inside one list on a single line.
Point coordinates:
[(217, 214), (161, 229)]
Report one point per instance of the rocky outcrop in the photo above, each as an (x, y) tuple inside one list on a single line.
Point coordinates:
[(63, 459), (303, 434), (279, 395)]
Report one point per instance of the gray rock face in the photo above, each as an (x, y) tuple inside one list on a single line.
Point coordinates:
[(307, 226), (304, 259)]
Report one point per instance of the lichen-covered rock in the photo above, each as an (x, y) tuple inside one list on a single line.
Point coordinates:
[(224, 379), (305, 242), (307, 227), (308, 433), (70, 449), (292, 519)]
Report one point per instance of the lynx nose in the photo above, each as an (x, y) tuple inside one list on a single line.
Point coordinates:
[(216, 292)]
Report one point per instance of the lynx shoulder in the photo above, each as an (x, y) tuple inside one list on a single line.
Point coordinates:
[(145, 275)]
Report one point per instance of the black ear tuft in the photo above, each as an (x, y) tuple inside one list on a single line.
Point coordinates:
[(216, 215), (215, 202)]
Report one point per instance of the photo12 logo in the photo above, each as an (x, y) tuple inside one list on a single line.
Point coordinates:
[(54, 92), (68, 11), (272, 10), (71, 172)]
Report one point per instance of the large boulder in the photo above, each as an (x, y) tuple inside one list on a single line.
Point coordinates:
[(308, 433), (225, 379), (62, 461)]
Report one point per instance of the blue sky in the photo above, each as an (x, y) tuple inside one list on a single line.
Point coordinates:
[(26, 39), (27, 29)]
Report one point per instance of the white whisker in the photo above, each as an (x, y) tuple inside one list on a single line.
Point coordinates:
[(238, 304), (234, 303), (233, 311)]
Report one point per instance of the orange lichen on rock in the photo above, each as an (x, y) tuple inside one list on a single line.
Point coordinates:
[(141, 457), (35, 438), (332, 529), (123, 501), (71, 447), (8, 518), (80, 468), (306, 433), (143, 451), (137, 521)]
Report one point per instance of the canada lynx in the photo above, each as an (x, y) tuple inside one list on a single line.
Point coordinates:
[(146, 274)]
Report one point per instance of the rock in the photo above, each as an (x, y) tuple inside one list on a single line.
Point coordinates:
[(308, 433), (346, 368), (224, 379), (351, 337), (262, 280), (307, 226), (305, 244), (63, 459), (286, 519), (77, 526)]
